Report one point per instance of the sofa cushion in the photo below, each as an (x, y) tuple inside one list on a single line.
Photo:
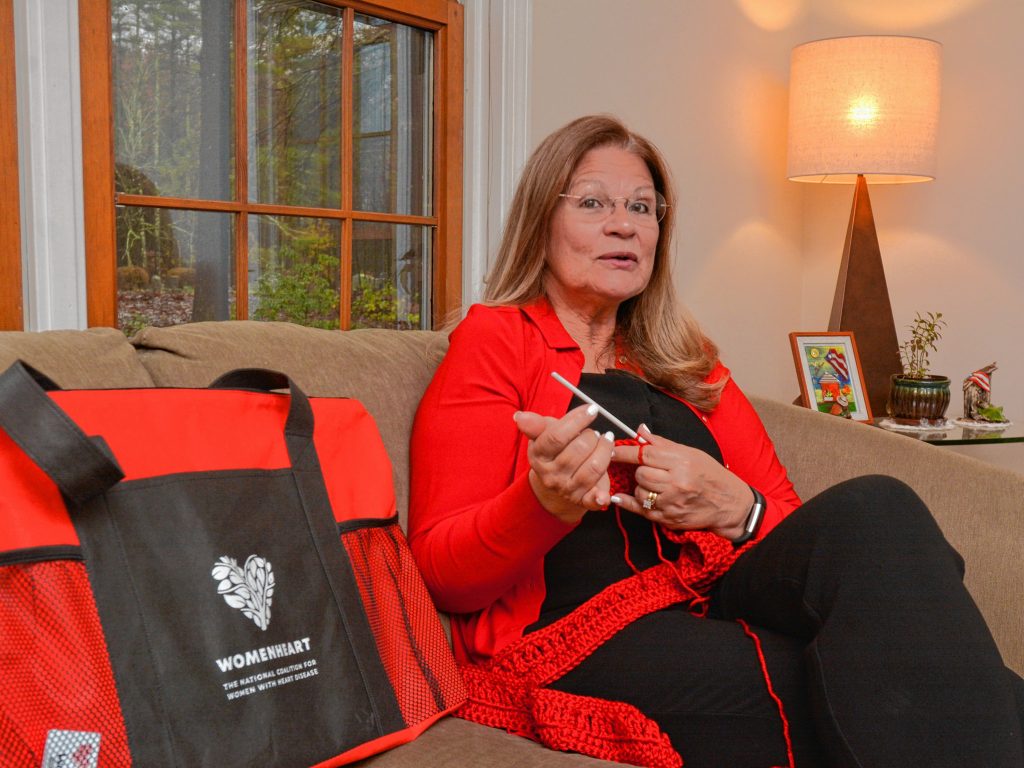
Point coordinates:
[(455, 742), (387, 371), (99, 358)]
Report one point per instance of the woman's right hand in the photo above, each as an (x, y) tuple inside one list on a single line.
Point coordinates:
[(568, 462)]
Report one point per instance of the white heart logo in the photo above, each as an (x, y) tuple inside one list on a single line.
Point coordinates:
[(250, 588)]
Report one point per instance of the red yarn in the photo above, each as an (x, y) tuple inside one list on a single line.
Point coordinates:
[(625, 540), (620, 474), (771, 690), (509, 691), (607, 729)]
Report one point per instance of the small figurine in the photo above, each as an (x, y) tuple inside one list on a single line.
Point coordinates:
[(978, 397)]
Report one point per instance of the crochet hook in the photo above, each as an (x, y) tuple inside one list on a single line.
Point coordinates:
[(588, 399)]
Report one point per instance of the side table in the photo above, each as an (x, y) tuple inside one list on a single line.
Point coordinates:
[(954, 434)]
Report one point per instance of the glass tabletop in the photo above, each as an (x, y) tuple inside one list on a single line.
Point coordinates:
[(956, 432)]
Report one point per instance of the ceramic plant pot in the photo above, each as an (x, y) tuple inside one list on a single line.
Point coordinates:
[(918, 401)]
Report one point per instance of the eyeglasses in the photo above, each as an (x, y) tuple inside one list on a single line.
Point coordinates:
[(645, 208)]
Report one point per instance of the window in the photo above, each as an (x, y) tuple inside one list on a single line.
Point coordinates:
[(11, 316), (272, 159)]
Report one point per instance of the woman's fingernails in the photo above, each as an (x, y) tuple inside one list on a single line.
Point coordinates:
[(592, 410), (643, 428), (616, 499), (609, 436), (515, 416)]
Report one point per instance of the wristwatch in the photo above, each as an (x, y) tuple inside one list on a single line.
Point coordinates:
[(754, 518)]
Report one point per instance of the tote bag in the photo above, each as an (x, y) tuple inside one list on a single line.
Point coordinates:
[(206, 577)]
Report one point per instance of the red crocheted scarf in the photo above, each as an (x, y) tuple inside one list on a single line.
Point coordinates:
[(510, 690)]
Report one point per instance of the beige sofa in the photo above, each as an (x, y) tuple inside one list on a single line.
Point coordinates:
[(978, 506)]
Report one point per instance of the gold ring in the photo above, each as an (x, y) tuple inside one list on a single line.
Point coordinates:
[(651, 500)]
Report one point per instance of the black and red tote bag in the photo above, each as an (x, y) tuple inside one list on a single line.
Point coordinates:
[(205, 577)]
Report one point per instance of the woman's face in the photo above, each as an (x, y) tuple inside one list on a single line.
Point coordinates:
[(599, 255)]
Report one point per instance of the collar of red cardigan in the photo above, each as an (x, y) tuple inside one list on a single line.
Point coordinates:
[(542, 314)]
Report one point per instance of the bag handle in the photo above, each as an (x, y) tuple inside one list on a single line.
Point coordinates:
[(82, 467), (262, 379), (298, 428)]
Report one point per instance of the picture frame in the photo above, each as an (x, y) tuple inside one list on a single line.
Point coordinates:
[(830, 374)]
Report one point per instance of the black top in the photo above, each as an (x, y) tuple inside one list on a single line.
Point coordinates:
[(593, 555)]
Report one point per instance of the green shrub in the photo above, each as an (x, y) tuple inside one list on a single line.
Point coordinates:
[(304, 294)]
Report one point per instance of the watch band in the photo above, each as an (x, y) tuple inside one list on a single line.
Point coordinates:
[(754, 518)]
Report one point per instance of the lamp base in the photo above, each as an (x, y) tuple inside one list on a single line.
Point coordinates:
[(861, 304)]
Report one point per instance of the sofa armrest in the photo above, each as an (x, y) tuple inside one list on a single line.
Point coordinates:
[(977, 505)]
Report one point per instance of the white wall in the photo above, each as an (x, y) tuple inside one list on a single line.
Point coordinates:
[(756, 256), (709, 88)]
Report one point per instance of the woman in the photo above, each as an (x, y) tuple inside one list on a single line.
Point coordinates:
[(841, 636)]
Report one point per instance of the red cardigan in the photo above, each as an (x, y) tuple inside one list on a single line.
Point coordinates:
[(477, 531)]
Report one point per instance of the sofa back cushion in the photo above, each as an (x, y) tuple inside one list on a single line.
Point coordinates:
[(386, 370), (99, 358)]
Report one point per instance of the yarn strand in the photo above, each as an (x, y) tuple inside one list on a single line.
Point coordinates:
[(771, 690)]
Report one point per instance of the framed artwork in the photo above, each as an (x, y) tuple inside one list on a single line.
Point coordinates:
[(831, 378)]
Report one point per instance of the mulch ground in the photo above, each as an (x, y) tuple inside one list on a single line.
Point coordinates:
[(138, 308)]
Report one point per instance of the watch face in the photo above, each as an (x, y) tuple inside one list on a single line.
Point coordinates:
[(753, 518)]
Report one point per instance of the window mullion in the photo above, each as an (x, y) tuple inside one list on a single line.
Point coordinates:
[(448, 100), (98, 161), (347, 166), (241, 160)]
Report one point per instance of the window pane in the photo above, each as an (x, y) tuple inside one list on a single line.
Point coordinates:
[(295, 270), (295, 103), (173, 98), (390, 276), (173, 267), (392, 117)]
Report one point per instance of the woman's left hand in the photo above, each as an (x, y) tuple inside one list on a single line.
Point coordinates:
[(693, 491)]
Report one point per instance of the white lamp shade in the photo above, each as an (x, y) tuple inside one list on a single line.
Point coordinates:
[(864, 105)]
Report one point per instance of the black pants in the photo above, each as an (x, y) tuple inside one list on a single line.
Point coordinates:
[(871, 640)]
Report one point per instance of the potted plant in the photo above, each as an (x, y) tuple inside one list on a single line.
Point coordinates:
[(917, 396)]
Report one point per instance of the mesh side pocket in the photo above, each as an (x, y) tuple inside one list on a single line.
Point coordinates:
[(57, 689), (405, 624)]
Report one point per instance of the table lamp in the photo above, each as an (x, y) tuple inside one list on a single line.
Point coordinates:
[(864, 107)]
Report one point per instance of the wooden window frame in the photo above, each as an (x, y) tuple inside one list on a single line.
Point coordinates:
[(12, 307), (444, 17)]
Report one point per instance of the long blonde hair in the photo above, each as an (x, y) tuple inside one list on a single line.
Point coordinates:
[(661, 337)]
